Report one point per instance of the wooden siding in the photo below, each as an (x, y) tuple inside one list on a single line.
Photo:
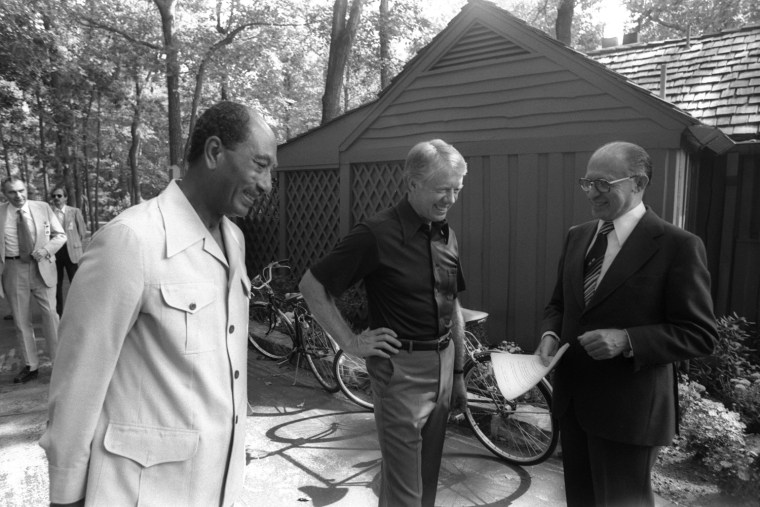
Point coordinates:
[(511, 221), (726, 214), (526, 112), (524, 98)]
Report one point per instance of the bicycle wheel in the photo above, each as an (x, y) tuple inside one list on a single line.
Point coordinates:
[(520, 431), (353, 379), (270, 332), (319, 350)]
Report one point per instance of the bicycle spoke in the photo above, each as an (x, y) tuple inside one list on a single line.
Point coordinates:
[(320, 351)]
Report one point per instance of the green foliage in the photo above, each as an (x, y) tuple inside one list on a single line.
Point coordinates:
[(668, 19), (732, 373), (716, 437)]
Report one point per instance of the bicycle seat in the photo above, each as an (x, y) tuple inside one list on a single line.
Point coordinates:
[(473, 315), (293, 296)]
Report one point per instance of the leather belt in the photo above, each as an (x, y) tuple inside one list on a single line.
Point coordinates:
[(439, 344), (12, 258)]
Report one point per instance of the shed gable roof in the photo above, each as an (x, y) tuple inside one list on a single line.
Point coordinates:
[(715, 78), (479, 44), (490, 75)]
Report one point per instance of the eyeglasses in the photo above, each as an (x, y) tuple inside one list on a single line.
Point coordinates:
[(602, 186), (57, 195)]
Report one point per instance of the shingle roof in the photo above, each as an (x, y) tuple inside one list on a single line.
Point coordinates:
[(715, 78)]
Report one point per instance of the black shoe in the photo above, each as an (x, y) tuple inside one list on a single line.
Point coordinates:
[(25, 375)]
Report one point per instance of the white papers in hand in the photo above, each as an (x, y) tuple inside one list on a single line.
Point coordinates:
[(517, 373)]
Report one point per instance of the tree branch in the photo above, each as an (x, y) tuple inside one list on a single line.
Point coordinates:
[(91, 23)]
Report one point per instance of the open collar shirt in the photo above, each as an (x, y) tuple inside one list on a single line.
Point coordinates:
[(410, 268)]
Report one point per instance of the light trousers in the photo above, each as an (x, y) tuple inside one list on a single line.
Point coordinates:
[(412, 393), (21, 282)]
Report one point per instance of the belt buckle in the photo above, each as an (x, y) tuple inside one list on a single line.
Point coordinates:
[(443, 343)]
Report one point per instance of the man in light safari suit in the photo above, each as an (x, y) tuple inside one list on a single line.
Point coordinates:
[(26, 276), (68, 258), (148, 398)]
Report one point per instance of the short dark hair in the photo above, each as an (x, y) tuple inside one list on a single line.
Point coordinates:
[(11, 179), (229, 121), (61, 188)]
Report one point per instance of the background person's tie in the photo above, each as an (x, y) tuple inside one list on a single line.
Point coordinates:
[(594, 259), (25, 244)]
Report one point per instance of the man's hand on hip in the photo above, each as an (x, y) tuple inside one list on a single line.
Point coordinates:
[(380, 342), (604, 343)]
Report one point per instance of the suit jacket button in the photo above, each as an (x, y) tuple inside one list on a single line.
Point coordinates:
[(192, 306)]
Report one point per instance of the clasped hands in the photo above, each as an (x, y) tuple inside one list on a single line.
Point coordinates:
[(599, 344), (39, 254)]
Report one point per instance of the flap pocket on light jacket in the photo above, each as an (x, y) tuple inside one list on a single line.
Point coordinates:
[(189, 297), (149, 445)]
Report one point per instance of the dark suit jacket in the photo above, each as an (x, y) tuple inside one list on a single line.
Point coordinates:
[(658, 289)]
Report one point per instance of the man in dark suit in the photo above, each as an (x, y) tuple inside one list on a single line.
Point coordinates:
[(630, 311), (68, 257)]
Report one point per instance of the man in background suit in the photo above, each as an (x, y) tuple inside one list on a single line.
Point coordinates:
[(643, 305), (68, 258), (27, 268)]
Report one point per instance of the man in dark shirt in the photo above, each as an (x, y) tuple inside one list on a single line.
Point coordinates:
[(408, 258)]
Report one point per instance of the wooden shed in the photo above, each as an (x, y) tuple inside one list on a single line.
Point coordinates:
[(526, 112)]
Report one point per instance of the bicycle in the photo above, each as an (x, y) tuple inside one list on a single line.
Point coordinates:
[(290, 318), (351, 374), (523, 430)]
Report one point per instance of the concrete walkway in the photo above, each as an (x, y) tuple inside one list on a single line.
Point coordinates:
[(304, 446)]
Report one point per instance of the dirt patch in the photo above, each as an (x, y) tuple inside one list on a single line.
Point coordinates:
[(684, 481)]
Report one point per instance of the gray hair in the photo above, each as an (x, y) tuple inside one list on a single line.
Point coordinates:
[(638, 160), (428, 157)]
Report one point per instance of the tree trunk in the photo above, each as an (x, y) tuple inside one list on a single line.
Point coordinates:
[(95, 205), (167, 8), (341, 40), (6, 156), (564, 25), (41, 123), (83, 194), (134, 149), (385, 58)]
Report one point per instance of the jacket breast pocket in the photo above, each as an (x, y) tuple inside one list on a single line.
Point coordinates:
[(190, 311)]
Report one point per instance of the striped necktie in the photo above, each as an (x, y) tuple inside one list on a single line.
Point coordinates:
[(25, 242), (593, 265)]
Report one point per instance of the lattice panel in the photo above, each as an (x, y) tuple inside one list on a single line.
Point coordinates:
[(375, 187), (312, 215), (261, 229)]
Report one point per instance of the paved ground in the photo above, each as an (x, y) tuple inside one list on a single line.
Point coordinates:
[(304, 446)]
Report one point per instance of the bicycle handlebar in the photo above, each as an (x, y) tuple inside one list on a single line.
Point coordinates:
[(259, 283)]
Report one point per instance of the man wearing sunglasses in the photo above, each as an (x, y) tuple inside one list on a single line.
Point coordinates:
[(68, 257), (632, 299)]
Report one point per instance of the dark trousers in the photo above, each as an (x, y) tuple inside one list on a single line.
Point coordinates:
[(63, 261), (604, 473)]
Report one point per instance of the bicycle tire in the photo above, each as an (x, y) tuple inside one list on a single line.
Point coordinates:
[(353, 379), (522, 431), (320, 349), (264, 321)]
